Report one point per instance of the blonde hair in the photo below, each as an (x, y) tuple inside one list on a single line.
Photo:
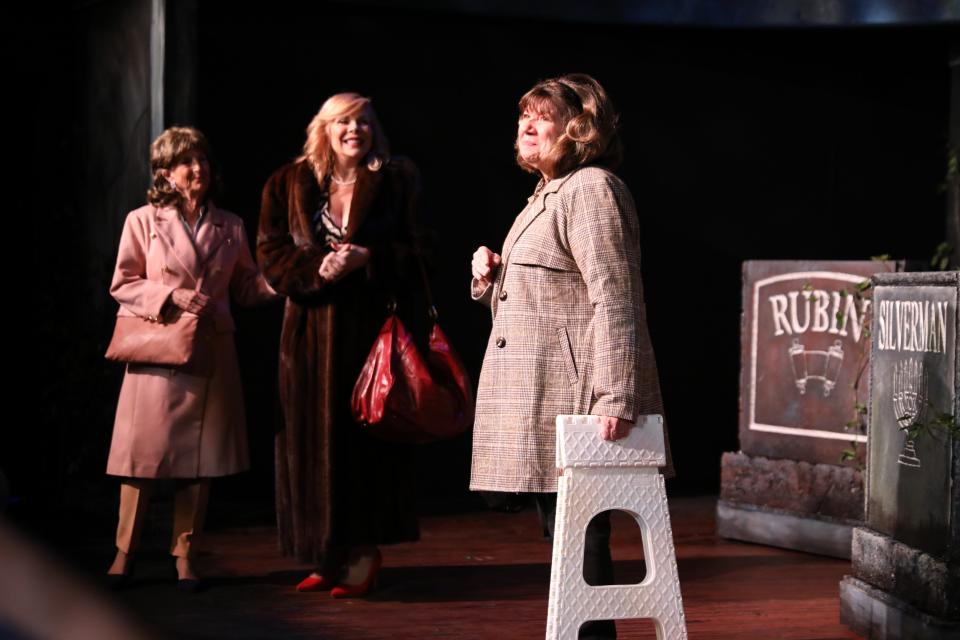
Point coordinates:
[(169, 147), (581, 108), (317, 151)]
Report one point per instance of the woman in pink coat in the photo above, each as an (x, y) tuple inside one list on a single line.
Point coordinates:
[(180, 254)]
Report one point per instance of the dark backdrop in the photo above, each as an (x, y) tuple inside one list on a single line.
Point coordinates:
[(740, 144)]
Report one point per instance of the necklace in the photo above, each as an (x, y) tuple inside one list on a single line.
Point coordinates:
[(540, 186), (342, 183)]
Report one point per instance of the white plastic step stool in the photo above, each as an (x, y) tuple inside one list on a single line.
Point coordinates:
[(596, 476)]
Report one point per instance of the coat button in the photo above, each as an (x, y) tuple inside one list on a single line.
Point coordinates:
[(502, 296), (501, 342)]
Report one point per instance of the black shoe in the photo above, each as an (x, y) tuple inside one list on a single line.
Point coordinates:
[(117, 581), (186, 585), (189, 585)]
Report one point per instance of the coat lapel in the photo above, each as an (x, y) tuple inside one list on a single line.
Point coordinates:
[(536, 205), (307, 194), (170, 230), (212, 234), (364, 193)]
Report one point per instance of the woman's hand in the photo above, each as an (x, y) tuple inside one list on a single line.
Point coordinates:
[(344, 259), (485, 262), (614, 428), (192, 301)]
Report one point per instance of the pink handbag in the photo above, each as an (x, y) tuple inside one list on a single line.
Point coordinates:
[(175, 339), (141, 341)]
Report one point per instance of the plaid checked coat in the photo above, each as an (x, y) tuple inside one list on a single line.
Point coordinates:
[(569, 329)]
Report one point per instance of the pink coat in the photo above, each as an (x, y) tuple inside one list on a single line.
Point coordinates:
[(171, 423)]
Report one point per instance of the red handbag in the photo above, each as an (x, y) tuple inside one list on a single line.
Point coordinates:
[(402, 397)]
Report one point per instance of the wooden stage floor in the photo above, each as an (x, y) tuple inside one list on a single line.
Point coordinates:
[(485, 575)]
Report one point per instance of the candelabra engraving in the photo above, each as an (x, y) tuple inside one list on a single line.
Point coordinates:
[(909, 403)]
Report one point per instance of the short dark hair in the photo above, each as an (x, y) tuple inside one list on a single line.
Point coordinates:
[(589, 121)]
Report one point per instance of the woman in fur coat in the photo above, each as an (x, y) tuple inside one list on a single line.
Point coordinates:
[(335, 237)]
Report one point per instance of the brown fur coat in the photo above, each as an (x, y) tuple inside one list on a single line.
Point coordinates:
[(336, 485)]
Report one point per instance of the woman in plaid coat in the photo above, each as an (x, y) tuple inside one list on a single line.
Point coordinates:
[(569, 324)]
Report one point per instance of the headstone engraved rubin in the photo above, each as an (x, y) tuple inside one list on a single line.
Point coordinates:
[(906, 558), (804, 351)]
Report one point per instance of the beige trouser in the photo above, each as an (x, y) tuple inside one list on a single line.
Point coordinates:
[(189, 512)]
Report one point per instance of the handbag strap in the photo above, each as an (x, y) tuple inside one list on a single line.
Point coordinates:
[(432, 308)]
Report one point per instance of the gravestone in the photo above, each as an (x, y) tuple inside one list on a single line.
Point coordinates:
[(906, 556), (804, 353)]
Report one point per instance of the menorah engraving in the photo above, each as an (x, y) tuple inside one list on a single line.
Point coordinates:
[(909, 403)]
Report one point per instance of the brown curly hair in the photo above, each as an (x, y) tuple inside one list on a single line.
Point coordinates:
[(165, 152)]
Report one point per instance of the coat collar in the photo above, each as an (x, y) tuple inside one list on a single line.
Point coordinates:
[(307, 194), (213, 233), (170, 230), (548, 186), (192, 253), (310, 195), (364, 193), (536, 204)]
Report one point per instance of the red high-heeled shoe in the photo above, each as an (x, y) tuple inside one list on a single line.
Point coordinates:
[(316, 583), (327, 574), (358, 590)]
